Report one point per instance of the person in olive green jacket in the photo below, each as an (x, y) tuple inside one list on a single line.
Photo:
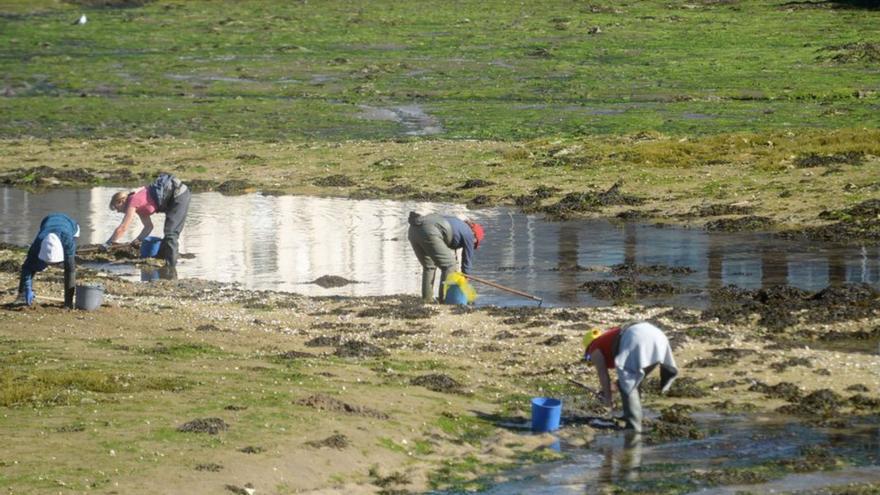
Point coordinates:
[(434, 238)]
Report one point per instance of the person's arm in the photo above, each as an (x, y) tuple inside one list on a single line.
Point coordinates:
[(598, 361), (467, 256), (123, 225), (69, 279), (30, 266), (148, 227)]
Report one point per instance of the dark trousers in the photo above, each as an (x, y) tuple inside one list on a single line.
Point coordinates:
[(175, 216)]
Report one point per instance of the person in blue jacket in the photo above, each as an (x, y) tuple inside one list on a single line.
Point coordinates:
[(55, 243), (434, 238)]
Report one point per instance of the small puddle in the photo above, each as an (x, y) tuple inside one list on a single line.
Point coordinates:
[(287, 243), (412, 117), (627, 464)]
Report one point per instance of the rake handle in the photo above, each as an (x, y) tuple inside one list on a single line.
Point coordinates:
[(499, 286)]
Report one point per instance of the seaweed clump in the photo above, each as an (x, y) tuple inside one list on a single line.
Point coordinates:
[(727, 356), (783, 306), (740, 224), (211, 426), (574, 203), (858, 222), (627, 288), (438, 382), (821, 403), (405, 310)]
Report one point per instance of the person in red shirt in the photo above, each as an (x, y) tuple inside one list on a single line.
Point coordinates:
[(634, 350)]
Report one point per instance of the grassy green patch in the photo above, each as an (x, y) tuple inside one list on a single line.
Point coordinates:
[(416, 447), (337, 70), (401, 366), (181, 350), (465, 429), (65, 386), (465, 474)]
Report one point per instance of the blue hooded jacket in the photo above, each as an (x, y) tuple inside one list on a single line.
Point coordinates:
[(462, 238), (65, 228)]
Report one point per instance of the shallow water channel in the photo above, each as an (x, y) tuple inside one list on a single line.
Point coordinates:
[(286, 242), (735, 444)]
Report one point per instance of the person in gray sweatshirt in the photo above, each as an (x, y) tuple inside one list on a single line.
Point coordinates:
[(434, 238), (634, 350)]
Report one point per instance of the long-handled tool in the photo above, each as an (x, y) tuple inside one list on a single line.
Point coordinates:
[(508, 289), (52, 299), (584, 386)]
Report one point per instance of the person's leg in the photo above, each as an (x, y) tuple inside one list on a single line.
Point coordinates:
[(667, 376), (632, 408), (443, 257), (419, 240), (444, 272), (175, 217)]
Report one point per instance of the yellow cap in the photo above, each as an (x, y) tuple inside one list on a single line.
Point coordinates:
[(591, 336)]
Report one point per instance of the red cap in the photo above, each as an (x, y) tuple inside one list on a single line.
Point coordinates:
[(478, 233)]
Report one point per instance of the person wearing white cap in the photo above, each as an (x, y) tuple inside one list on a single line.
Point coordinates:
[(55, 243)]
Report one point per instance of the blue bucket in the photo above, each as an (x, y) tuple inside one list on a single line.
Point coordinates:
[(150, 247), (545, 414), (454, 295)]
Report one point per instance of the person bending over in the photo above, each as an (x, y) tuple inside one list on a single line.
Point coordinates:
[(434, 238), (634, 350), (168, 195), (55, 243)]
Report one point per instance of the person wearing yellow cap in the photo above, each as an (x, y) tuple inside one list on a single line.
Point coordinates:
[(634, 350), (55, 243)]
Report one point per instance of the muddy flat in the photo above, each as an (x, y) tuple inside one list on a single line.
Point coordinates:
[(385, 389)]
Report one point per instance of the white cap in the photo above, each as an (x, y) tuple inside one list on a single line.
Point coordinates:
[(77, 231), (51, 250)]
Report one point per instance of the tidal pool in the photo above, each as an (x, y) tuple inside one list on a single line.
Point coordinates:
[(618, 463), (285, 242)]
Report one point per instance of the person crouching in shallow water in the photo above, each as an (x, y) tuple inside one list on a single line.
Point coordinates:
[(168, 195), (55, 243), (434, 238), (634, 350)]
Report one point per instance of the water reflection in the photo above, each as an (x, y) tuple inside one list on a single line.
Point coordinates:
[(284, 242), (622, 461)]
